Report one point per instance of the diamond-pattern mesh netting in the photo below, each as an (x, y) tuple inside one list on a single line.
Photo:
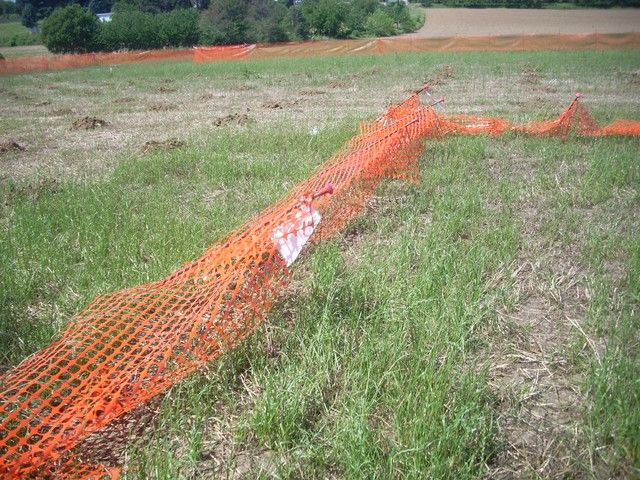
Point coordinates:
[(127, 347)]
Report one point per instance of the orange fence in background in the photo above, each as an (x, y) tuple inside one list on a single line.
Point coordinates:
[(225, 52), (61, 62), (127, 347), (588, 41)]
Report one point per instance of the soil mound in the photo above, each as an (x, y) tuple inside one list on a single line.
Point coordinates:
[(11, 146), (237, 119), (162, 107), (170, 144), (88, 123)]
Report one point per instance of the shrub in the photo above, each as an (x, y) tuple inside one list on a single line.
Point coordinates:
[(133, 29), (70, 30), (327, 17), (29, 18), (380, 24), (179, 28), (225, 22)]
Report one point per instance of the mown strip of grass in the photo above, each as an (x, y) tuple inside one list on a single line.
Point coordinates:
[(598, 214)]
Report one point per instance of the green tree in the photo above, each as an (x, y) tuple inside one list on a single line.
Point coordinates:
[(225, 22), (178, 28), (268, 21), (100, 6), (358, 13), (70, 30), (297, 23), (29, 18), (327, 17), (380, 24), (7, 8), (131, 29)]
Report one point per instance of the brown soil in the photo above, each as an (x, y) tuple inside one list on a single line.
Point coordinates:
[(210, 96), (442, 76), (531, 372), (280, 104), (339, 84), (308, 93), (88, 123), (237, 119), (166, 90), (11, 146), (529, 75), (123, 100), (61, 112), (162, 107), (449, 22), (153, 145)]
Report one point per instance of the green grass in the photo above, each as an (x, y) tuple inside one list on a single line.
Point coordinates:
[(24, 51), (375, 364), (13, 34), (607, 236)]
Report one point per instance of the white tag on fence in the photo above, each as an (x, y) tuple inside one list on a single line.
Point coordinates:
[(291, 236)]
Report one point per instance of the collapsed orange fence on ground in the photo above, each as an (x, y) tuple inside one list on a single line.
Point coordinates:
[(375, 46), (127, 347)]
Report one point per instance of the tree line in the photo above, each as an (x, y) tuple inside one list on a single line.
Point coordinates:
[(72, 27), (531, 3)]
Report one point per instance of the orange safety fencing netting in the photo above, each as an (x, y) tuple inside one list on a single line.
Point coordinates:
[(61, 62), (227, 52), (127, 347), (587, 41)]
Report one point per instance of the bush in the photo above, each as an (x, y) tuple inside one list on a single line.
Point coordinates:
[(327, 17), (129, 29), (380, 24), (29, 18), (178, 28), (70, 30), (225, 22), (8, 8), (133, 29)]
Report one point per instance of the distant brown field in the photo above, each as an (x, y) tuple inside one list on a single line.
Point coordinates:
[(448, 22)]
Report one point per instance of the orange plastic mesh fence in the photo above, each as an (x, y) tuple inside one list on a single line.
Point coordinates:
[(60, 62), (129, 346), (587, 41), (230, 52)]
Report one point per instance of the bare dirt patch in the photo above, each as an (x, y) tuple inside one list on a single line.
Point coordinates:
[(450, 22), (309, 93), (154, 145), (234, 119), (280, 104), (108, 446), (531, 370), (11, 146), (88, 123), (210, 96), (123, 100), (529, 75), (162, 107), (166, 90), (442, 76)]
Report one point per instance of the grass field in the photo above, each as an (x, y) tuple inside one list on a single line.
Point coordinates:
[(14, 34), (482, 324)]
